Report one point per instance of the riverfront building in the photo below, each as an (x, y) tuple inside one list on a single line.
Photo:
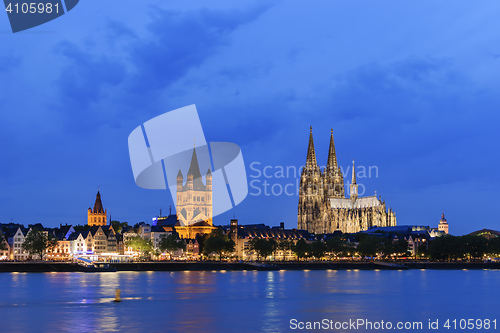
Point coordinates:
[(241, 235), (323, 207)]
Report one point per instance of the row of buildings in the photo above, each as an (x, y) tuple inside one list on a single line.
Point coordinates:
[(104, 243), (95, 242)]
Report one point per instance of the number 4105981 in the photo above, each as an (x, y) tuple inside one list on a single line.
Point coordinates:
[(32, 8), (471, 324)]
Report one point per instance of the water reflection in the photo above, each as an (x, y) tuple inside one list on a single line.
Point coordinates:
[(246, 301)]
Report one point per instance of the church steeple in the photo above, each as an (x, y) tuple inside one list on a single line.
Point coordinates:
[(98, 204), (311, 162), (353, 173), (194, 172), (98, 215), (194, 168), (333, 174), (331, 165), (354, 186)]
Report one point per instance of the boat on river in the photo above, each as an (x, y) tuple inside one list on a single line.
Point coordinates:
[(86, 265), (390, 265), (96, 267)]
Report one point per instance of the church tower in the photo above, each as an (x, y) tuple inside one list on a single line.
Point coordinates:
[(194, 199), (334, 181), (443, 225), (311, 195), (97, 216)]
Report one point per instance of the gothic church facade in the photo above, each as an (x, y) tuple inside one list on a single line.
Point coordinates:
[(323, 206)]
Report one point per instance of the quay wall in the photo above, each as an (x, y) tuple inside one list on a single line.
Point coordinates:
[(236, 266)]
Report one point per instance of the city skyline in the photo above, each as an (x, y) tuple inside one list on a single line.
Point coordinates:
[(418, 103)]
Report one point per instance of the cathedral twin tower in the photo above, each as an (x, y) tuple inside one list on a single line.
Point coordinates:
[(323, 207)]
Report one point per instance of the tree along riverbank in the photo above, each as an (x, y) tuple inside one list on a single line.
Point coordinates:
[(237, 266)]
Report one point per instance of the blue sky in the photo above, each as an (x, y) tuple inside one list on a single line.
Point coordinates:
[(410, 87)]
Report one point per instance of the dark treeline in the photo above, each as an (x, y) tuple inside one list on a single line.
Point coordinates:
[(468, 247), (445, 248), (334, 247)]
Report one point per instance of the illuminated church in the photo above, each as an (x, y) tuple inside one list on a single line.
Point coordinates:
[(98, 215), (194, 202), (323, 207)]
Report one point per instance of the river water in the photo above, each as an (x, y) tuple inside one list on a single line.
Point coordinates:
[(246, 301)]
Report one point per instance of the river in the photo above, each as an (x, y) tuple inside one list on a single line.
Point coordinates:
[(246, 301)]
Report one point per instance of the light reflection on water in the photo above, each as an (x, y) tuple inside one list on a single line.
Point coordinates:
[(245, 301)]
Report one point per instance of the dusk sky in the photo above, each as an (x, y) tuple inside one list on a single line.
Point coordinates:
[(411, 88)]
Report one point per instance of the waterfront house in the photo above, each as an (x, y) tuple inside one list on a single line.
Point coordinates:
[(16, 242), (78, 243), (192, 248), (4, 253), (62, 250)]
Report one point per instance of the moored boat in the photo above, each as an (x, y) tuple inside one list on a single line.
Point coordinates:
[(391, 265), (97, 267)]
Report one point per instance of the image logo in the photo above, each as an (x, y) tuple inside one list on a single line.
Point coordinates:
[(24, 14), (171, 151)]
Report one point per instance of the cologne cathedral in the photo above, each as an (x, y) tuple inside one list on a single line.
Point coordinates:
[(323, 206)]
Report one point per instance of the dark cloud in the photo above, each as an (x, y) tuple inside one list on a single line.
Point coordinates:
[(111, 87), (85, 79), (84, 82), (401, 90), (184, 40)]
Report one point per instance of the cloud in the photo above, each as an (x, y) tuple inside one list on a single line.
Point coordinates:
[(8, 62), (116, 30), (399, 90), (126, 77), (406, 115), (184, 40), (85, 81)]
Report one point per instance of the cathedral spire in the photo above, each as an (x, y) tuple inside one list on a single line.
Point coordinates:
[(311, 162), (331, 165), (354, 186), (353, 173), (333, 174)]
